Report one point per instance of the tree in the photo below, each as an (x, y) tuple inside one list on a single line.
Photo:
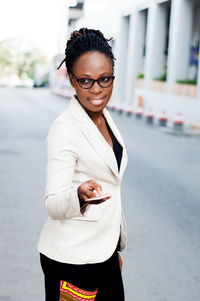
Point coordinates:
[(18, 58)]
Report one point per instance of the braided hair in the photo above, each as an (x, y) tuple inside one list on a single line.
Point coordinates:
[(85, 40)]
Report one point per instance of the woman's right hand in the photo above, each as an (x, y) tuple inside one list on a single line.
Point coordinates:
[(90, 189)]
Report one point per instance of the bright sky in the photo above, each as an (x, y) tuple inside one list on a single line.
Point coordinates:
[(36, 20)]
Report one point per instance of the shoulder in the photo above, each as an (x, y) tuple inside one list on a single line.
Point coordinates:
[(63, 123), (63, 118)]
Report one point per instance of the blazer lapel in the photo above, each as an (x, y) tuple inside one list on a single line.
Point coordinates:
[(93, 135), (120, 140)]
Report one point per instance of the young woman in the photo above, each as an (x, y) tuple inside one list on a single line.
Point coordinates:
[(86, 156)]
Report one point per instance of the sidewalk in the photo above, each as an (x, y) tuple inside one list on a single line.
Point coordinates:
[(65, 92)]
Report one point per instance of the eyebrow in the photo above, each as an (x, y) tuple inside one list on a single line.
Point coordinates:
[(102, 74)]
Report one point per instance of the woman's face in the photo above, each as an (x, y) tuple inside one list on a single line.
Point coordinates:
[(92, 65)]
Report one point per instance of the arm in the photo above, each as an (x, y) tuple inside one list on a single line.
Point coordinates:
[(61, 197)]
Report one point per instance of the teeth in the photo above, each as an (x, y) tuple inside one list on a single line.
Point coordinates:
[(95, 101)]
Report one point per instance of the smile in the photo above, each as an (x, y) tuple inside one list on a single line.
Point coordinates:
[(96, 101)]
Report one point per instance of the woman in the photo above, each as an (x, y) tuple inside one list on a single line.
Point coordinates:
[(86, 156)]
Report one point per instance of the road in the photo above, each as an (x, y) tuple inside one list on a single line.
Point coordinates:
[(160, 192)]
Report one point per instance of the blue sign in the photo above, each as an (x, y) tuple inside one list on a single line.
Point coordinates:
[(194, 56)]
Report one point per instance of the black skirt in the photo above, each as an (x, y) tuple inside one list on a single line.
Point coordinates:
[(86, 282)]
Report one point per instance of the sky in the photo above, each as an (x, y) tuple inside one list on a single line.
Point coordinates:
[(38, 21)]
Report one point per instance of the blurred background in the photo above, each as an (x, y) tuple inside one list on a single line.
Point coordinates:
[(156, 105), (156, 44)]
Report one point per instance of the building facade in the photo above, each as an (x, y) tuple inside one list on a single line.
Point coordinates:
[(156, 45)]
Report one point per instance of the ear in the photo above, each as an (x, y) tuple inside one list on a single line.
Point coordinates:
[(71, 79)]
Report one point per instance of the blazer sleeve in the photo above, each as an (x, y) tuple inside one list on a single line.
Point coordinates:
[(61, 198)]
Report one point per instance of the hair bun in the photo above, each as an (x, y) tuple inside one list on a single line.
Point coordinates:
[(75, 34), (84, 40)]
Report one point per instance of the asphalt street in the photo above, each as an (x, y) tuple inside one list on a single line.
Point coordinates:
[(160, 199)]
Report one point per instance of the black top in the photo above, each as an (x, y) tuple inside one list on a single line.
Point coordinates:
[(117, 148)]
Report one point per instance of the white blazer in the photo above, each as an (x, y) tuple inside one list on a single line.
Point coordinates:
[(77, 152)]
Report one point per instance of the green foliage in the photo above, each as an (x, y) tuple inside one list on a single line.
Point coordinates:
[(19, 58), (163, 77), (187, 81), (140, 75)]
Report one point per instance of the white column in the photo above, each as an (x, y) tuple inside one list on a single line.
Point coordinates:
[(135, 53), (155, 46), (121, 56), (180, 40), (198, 76), (150, 43)]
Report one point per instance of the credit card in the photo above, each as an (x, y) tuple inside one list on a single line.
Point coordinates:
[(99, 197)]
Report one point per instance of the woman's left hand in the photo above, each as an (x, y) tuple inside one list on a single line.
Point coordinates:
[(120, 261)]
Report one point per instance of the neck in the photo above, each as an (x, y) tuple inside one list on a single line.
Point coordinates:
[(97, 117)]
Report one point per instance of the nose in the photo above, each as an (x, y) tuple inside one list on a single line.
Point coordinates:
[(96, 88)]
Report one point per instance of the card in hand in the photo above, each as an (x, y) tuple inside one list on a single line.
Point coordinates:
[(99, 197)]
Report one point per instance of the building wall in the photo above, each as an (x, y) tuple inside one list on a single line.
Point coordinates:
[(141, 27)]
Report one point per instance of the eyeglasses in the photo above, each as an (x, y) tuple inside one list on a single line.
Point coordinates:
[(87, 83)]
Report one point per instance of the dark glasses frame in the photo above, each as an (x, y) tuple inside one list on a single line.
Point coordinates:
[(93, 81)]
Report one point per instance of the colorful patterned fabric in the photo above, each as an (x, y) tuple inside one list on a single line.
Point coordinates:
[(69, 292)]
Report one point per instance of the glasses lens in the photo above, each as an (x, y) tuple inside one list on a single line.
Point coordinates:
[(85, 82), (105, 81)]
